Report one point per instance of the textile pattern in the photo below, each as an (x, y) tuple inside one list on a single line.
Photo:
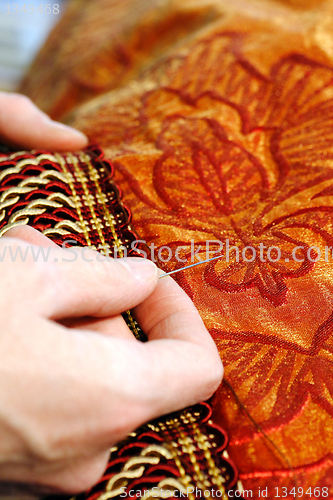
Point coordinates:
[(225, 134), (244, 159)]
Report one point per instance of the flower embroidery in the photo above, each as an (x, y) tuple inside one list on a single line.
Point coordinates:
[(208, 148)]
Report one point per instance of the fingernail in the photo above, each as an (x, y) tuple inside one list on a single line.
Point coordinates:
[(142, 269), (61, 128)]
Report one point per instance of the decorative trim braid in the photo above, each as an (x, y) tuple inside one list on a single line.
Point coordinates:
[(180, 455)]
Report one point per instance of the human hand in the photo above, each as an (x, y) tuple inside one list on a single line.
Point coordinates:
[(73, 379), (23, 125)]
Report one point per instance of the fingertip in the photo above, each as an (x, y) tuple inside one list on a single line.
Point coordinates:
[(66, 138)]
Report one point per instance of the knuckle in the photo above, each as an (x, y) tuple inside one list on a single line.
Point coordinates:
[(36, 447), (88, 475), (44, 445), (82, 477), (73, 469)]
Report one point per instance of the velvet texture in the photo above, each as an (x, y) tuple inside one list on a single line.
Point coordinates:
[(227, 135)]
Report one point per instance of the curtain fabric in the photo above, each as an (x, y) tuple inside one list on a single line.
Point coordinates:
[(218, 120)]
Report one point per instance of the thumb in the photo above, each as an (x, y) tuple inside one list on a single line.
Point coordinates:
[(23, 125), (78, 281)]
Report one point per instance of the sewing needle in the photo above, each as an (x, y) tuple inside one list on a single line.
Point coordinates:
[(187, 267)]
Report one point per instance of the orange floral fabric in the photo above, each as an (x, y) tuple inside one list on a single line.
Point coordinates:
[(228, 136)]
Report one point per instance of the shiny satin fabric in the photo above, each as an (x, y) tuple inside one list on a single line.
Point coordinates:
[(222, 131)]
